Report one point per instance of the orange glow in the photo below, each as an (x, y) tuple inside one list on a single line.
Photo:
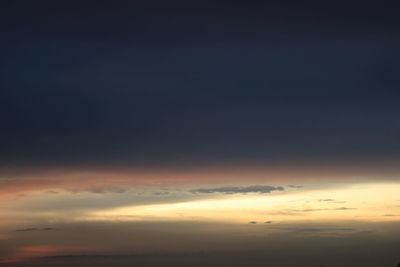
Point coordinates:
[(32, 252)]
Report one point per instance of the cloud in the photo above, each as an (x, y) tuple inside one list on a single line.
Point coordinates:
[(260, 189), (24, 254), (331, 200), (35, 229), (26, 230), (314, 229), (295, 186), (310, 210), (161, 193), (314, 210), (3, 236), (102, 189), (252, 222)]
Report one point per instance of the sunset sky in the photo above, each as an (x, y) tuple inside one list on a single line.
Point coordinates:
[(199, 133)]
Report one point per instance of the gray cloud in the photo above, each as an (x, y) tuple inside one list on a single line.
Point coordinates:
[(295, 186), (48, 229), (26, 230), (101, 189), (35, 229), (161, 193), (313, 210), (314, 229), (261, 189)]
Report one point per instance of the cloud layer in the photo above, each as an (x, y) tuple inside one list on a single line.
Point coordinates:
[(260, 189)]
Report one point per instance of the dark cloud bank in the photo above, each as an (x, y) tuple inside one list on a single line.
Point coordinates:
[(193, 83), (224, 245)]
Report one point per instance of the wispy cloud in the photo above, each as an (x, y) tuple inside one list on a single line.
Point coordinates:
[(314, 229), (260, 189), (35, 229), (295, 186), (26, 230), (331, 200), (102, 189), (315, 210)]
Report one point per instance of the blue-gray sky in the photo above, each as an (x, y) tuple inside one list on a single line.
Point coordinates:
[(193, 133), (177, 83)]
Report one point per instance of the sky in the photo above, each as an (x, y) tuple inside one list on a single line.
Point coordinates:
[(200, 133)]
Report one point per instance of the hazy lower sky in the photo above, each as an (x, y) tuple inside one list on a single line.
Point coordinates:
[(199, 133)]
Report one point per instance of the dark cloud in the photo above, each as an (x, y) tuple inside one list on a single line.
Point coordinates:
[(26, 229), (95, 256), (253, 222), (194, 83), (320, 256), (201, 243), (199, 83), (126, 20), (36, 229), (261, 189)]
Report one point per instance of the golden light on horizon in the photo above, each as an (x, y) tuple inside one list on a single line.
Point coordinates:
[(358, 202)]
